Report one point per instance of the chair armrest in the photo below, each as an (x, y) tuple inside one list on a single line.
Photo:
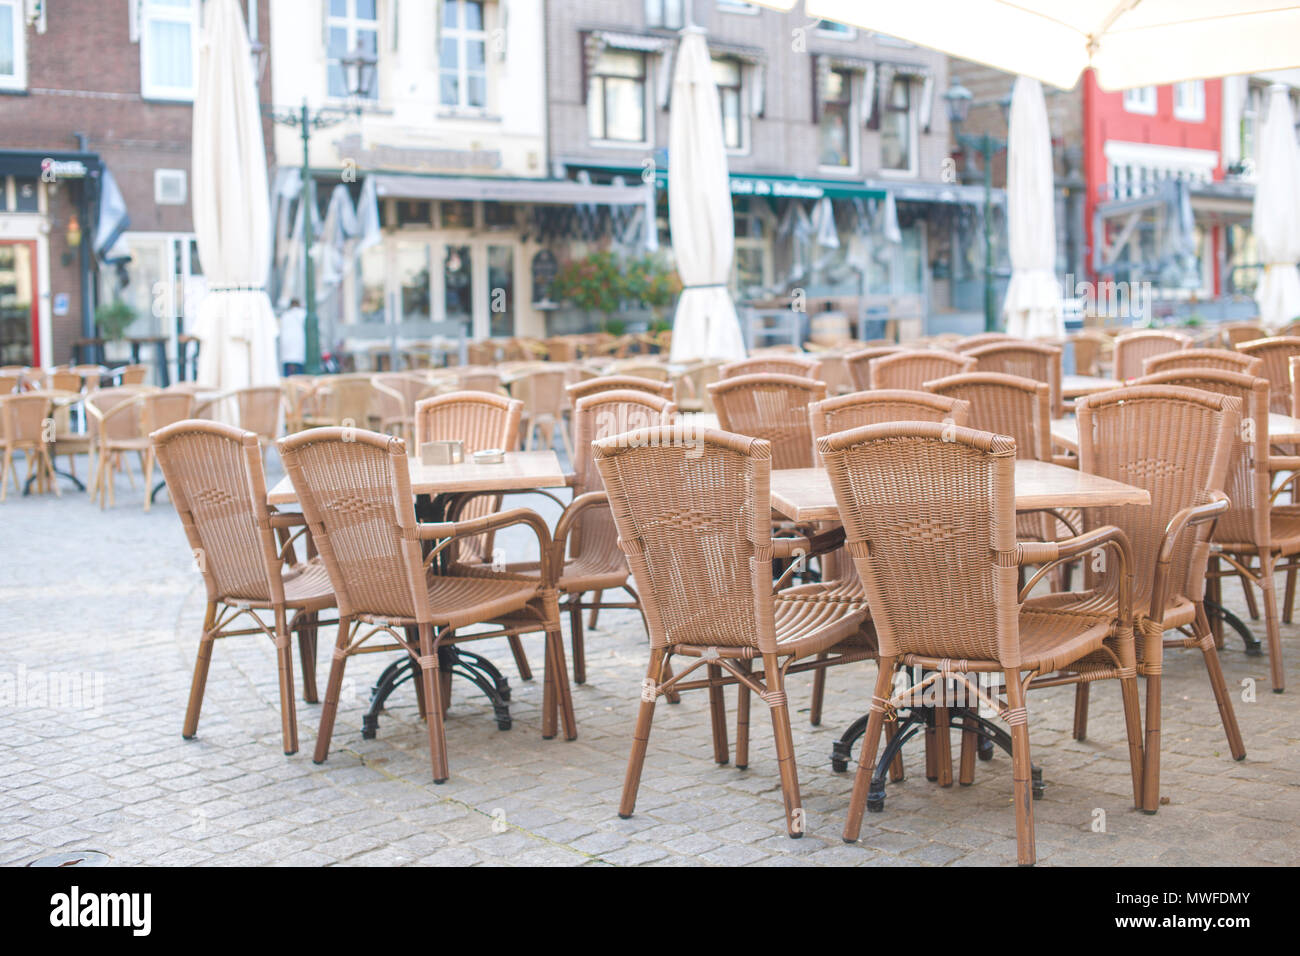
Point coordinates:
[(445, 532), (1284, 462), (573, 511), (808, 546), (1187, 518), (1051, 553), (287, 519)]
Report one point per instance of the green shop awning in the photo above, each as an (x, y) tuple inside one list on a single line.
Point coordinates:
[(754, 184)]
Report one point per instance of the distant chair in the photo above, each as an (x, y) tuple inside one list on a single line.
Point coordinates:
[(257, 409), (885, 405), (1276, 353), (691, 386), (22, 429), (640, 369), (775, 363), (125, 427), (393, 401), (1092, 349), (1134, 348), (912, 369), (341, 400), (772, 407), (476, 378), (1235, 333), (1223, 359), (482, 353), (132, 374), (1033, 360), (982, 339), (859, 363), (610, 383), (544, 398)]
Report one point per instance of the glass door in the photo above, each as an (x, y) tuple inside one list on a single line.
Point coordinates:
[(19, 333), (501, 291)]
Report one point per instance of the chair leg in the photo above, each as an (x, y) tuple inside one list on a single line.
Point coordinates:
[(743, 694), (557, 680), (332, 690), (1152, 654), (1133, 725), (1214, 591), (794, 812), (1269, 598), (284, 661), (591, 618), (641, 735), (431, 676), (943, 744), (868, 749), (521, 659), (1220, 687), (1248, 591), (1020, 772), (1289, 602), (147, 468), (307, 635), (718, 715), (1081, 711), (5, 469), (200, 679), (969, 745), (818, 693), (576, 636)]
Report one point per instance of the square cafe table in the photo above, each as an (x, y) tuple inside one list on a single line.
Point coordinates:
[(805, 494), (435, 487), (1075, 386)]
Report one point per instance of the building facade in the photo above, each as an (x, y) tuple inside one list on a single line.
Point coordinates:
[(837, 147), (95, 124)]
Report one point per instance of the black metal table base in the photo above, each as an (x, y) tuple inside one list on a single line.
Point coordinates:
[(58, 473), (1253, 647), (474, 668), (916, 720)]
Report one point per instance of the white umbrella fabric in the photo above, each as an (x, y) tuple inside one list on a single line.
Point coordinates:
[(1276, 219), (699, 210), (231, 209), (1127, 42), (1033, 303)]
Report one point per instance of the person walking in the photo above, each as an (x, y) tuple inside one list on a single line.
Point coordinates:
[(293, 339)]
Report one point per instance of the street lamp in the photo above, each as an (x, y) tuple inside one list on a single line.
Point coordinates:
[(359, 68), (958, 100)]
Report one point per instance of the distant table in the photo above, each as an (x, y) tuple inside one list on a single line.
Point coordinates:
[(805, 494), (436, 487), (1076, 386), (1282, 430)]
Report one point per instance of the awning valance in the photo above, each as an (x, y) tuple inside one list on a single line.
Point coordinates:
[(559, 192)]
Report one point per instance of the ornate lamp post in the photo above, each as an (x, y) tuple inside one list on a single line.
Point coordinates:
[(359, 75)]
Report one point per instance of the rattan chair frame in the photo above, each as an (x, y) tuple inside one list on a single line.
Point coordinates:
[(911, 369), (1134, 348), (1224, 359)]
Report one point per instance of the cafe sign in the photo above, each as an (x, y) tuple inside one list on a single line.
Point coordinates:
[(416, 159)]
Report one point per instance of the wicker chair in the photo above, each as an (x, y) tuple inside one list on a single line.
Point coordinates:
[(1223, 359), (1092, 351), (611, 383), (1134, 348), (912, 369), (340, 400), (641, 368), (834, 372), (395, 395), (124, 427), (131, 374), (476, 378), (247, 555), (1237, 333), (10, 384), (692, 512), (23, 429), (773, 407), (859, 363), (1276, 353), (1042, 363), (61, 380), (796, 365), (543, 395), (691, 387), (885, 405), (482, 353), (1176, 443), (256, 409), (929, 517), (1251, 528), (970, 342), (355, 491)]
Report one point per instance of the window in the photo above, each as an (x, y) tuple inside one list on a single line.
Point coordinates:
[(896, 127), (616, 98), (169, 187), (834, 129), (1141, 99), (462, 61), (168, 48), (727, 76), (752, 267), (1189, 101), (839, 30), (353, 25), (13, 46), (666, 14), (736, 6)]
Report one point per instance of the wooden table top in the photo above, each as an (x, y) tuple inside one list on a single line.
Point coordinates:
[(1073, 386), (1282, 430), (520, 470), (805, 494)]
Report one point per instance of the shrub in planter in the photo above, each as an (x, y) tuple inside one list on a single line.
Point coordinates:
[(594, 284)]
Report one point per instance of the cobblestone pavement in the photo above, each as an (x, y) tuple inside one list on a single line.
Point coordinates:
[(113, 596)]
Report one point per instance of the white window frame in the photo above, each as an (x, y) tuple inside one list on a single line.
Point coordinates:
[(462, 35), (853, 117), (742, 7), (744, 93), (18, 81), (1193, 112), (1141, 99), (350, 23), (663, 18), (149, 13), (913, 127), (647, 109)]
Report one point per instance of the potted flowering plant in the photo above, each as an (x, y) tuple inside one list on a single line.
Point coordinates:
[(593, 284), (654, 285)]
